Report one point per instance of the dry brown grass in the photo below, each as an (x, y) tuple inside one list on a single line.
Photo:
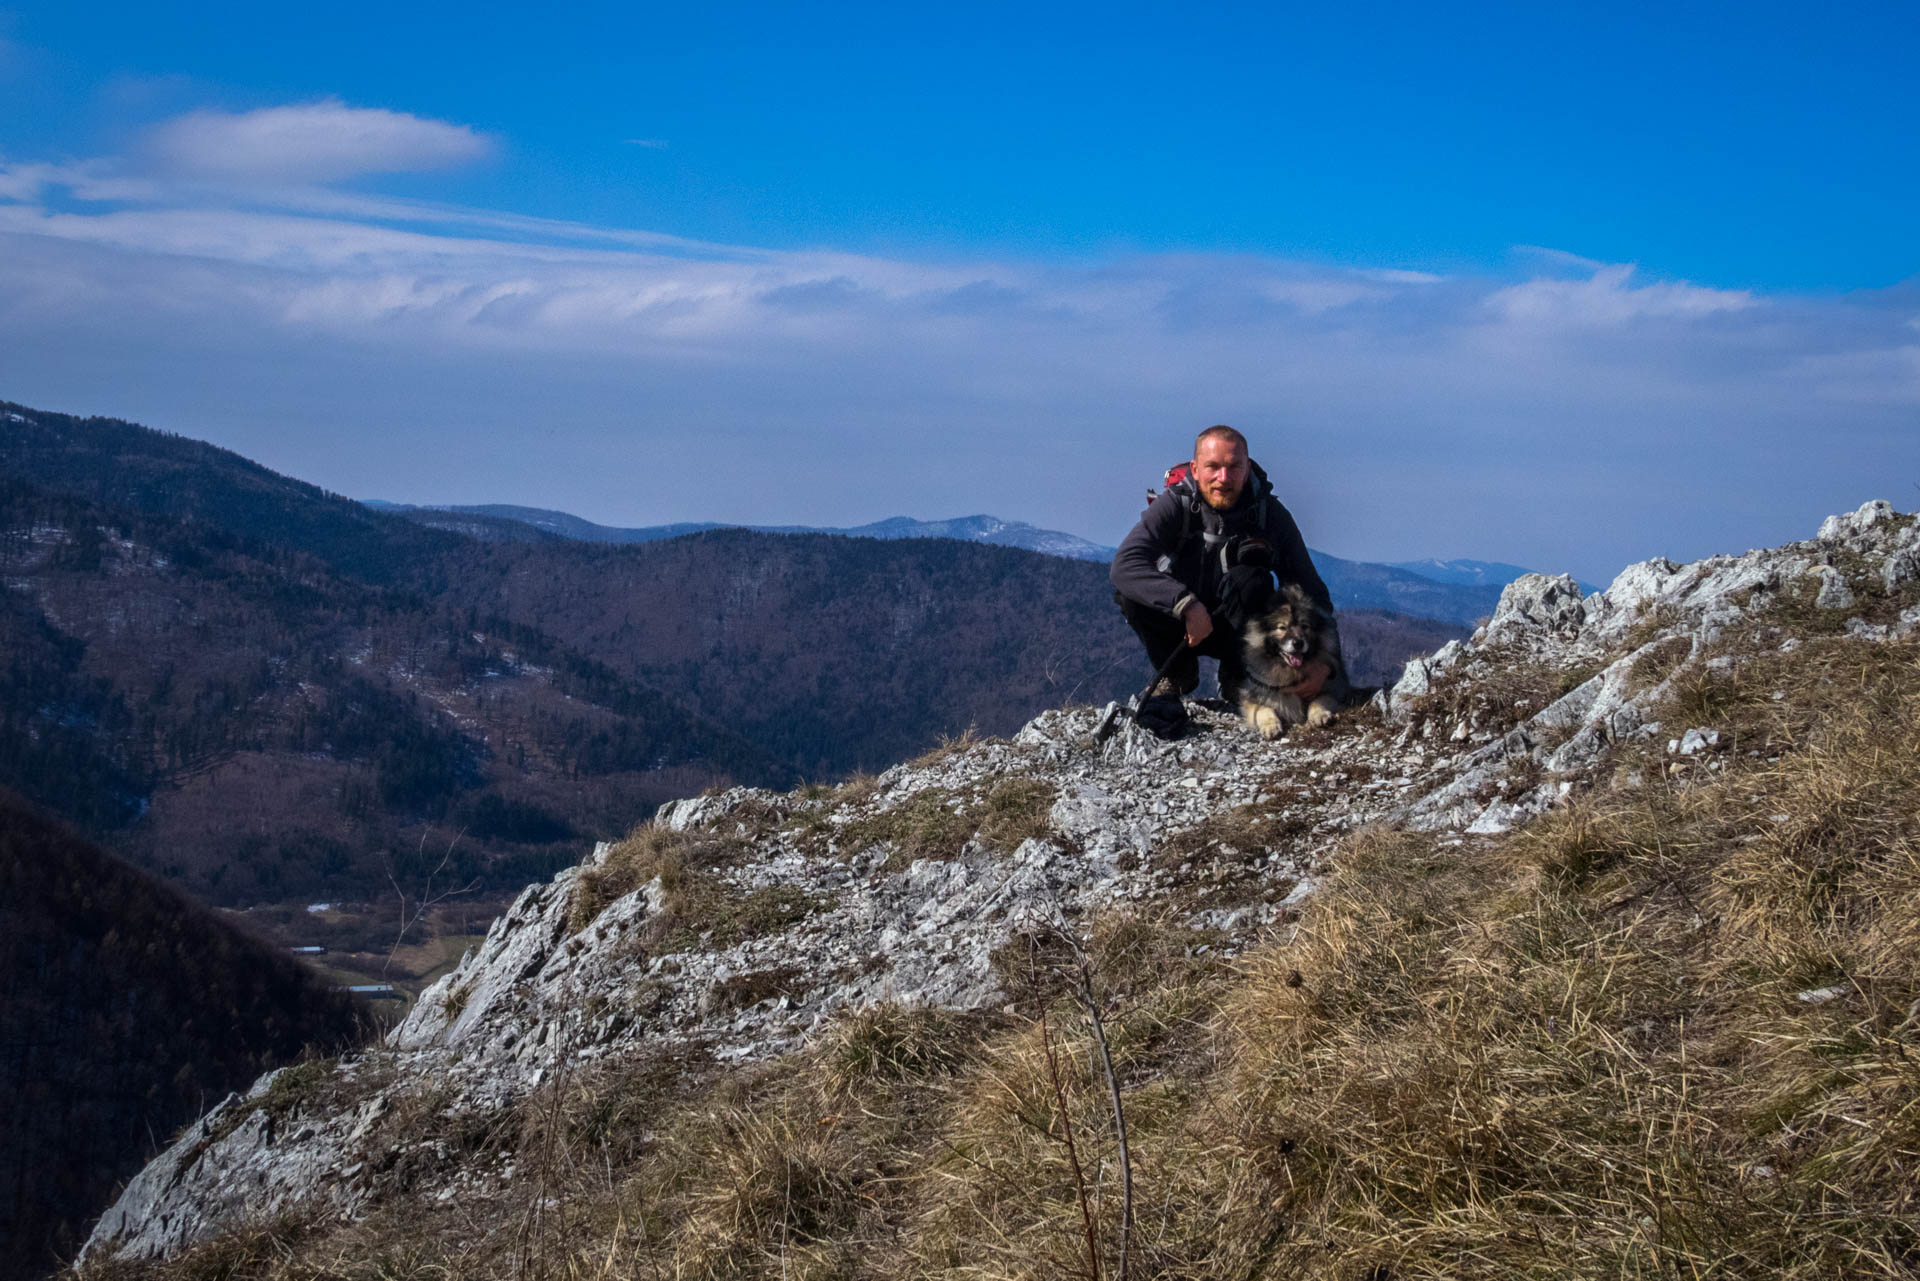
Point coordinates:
[(932, 823), (1659, 661), (1579, 1051), (1016, 810), (648, 852), (890, 1042), (949, 746)]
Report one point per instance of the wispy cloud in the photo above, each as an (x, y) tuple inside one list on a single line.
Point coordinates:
[(310, 142), (1565, 412), (1610, 297), (655, 143)]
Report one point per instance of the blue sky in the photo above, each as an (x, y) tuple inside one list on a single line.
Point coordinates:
[(1562, 285)]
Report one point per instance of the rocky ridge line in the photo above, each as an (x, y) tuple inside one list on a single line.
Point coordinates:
[(1219, 830)]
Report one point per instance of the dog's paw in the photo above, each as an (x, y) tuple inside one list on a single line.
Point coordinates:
[(1266, 722), (1320, 712)]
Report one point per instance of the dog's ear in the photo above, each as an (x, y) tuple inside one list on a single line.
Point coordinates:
[(1306, 606)]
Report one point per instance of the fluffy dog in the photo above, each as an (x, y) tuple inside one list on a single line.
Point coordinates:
[(1280, 649)]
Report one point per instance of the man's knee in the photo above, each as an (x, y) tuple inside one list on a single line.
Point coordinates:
[(1148, 623)]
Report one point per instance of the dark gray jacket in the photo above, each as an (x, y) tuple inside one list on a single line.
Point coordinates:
[(1174, 555)]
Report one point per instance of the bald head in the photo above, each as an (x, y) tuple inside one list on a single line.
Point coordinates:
[(1219, 431)]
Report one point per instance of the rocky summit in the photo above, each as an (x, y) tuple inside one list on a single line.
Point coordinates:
[(739, 926)]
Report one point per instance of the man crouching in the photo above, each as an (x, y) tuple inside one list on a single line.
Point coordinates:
[(1201, 566)]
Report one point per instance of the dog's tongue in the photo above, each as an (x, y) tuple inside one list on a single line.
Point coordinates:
[(1293, 660)]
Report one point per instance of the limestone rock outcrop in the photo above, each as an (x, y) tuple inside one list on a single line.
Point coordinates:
[(1630, 643)]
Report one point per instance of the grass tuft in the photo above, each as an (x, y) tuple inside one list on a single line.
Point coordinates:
[(696, 902)]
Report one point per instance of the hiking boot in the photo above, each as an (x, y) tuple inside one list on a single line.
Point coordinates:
[(1163, 716), (1166, 687), (1181, 680)]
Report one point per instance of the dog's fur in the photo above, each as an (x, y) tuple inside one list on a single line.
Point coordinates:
[(1278, 645)]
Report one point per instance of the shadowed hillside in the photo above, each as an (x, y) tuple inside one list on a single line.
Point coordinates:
[(125, 1010)]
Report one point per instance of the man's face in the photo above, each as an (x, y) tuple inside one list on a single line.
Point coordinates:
[(1220, 469)]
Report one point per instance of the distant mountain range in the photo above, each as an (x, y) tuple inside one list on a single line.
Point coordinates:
[(971, 529), (1454, 591), (1470, 573)]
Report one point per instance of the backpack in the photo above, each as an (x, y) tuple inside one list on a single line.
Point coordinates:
[(1176, 474)]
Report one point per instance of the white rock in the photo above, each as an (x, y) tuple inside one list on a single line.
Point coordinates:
[(1499, 816), (1695, 741), (1836, 529), (1535, 603), (1903, 565), (1834, 592)]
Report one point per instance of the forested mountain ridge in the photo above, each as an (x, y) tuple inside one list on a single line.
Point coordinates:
[(253, 724), (975, 529), (122, 465)]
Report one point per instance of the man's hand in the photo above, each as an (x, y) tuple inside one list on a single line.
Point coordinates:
[(1313, 677), (1199, 623)]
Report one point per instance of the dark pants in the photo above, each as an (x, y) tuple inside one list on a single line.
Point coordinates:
[(1249, 592), (1163, 636)]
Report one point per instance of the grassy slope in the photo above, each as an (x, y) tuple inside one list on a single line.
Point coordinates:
[(1579, 1050)]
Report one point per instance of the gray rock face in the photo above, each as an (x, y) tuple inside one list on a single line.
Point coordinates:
[(1536, 604), (243, 1160), (1853, 526), (1131, 823), (1656, 623)]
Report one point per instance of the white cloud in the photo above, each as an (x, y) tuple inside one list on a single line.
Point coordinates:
[(314, 142), (1398, 276), (1609, 297), (655, 143), (26, 182)]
